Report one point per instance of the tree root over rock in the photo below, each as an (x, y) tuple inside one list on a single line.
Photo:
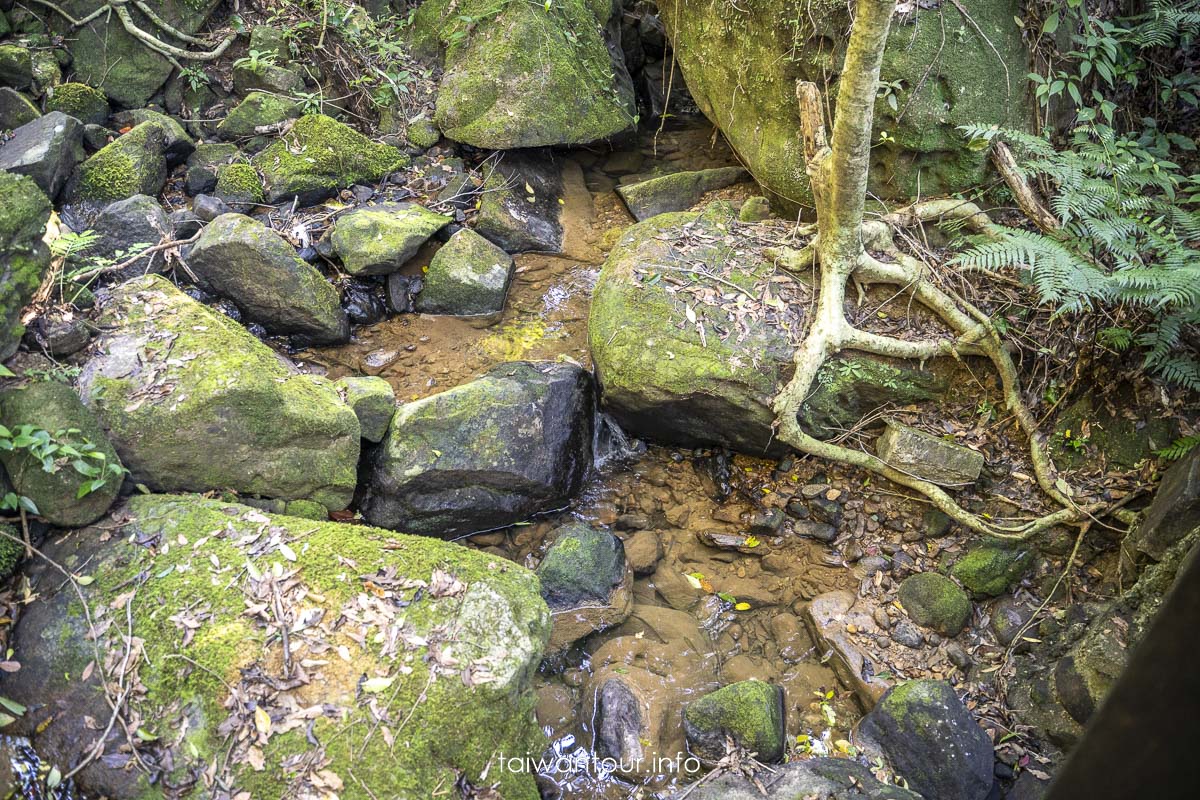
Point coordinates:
[(847, 247)]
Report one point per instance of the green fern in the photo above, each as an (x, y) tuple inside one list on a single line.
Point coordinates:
[(1179, 448)]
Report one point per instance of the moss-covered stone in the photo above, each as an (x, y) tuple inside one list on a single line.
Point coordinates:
[(380, 239), (934, 601), (259, 109), (306, 509), (174, 383), (373, 402), (11, 551), (202, 166), (178, 142), (989, 570), (848, 387), (582, 566), (940, 71), (318, 156), (238, 184), (677, 191), (46, 72), (527, 75), (16, 67), (1084, 432), (15, 109), (55, 407), (755, 209), (79, 100), (468, 275), (452, 672), (423, 133), (132, 164), (749, 711), (263, 76), (271, 42), (24, 257)]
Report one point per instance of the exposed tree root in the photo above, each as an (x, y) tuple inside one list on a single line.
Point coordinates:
[(846, 248)]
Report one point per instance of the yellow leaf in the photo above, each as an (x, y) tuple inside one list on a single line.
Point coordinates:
[(262, 721), (376, 685), (84, 580), (693, 580), (743, 606), (752, 541)]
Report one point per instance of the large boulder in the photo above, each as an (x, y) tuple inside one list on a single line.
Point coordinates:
[(106, 56), (80, 101), (133, 224), (242, 259), (405, 662), (63, 495), (15, 109), (750, 712), (810, 779), (940, 70), (485, 454), (134, 163), (932, 741), (46, 150), (24, 257), (531, 74), (258, 111), (665, 380), (320, 155), (521, 205), (378, 240), (678, 191), (467, 275), (193, 402)]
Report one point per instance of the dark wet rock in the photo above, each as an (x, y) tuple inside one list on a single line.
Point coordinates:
[(821, 531), (177, 143), (279, 433), (932, 740), (362, 301), (202, 166), (1174, 510), (520, 208), (242, 259), (402, 291), (80, 101), (57, 333), (134, 163), (715, 475), (678, 191), (16, 109), (468, 275), (797, 509), (207, 207), (373, 403), (586, 582), (258, 112), (810, 779), (16, 67), (378, 240), (23, 218), (485, 454), (185, 223), (934, 523), (989, 570), (96, 136), (46, 149), (926, 456), (767, 523), (134, 223), (54, 407), (958, 656), (825, 510), (934, 601), (1008, 617), (751, 712)]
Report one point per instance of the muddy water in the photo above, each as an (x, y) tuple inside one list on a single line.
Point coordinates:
[(702, 616)]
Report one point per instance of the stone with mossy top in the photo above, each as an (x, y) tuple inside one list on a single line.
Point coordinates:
[(11, 551), (64, 496), (134, 163), (193, 402), (320, 155), (527, 75), (379, 240), (80, 101), (16, 67), (468, 275), (259, 110), (264, 76), (926, 456), (521, 203), (178, 142), (373, 402), (587, 583), (751, 712), (934, 601), (436, 643), (988, 570), (15, 109), (243, 260), (678, 191), (203, 163), (238, 185), (23, 218)]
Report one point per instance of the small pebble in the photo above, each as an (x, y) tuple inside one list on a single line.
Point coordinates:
[(906, 633)]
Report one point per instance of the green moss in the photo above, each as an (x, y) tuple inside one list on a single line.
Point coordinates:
[(23, 217), (79, 100), (750, 711), (582, 566), (16, 66), (11, 551), (423, 133), (239, 183), (306, 509), (132, 164), (934, 601), (991, 569), (259, 109)]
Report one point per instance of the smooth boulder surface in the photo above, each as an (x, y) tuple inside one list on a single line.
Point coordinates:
[(807, 779), (932, 740), (467, 275), (373, 402), (137, 221), (175, 384), (55, 407), (516, 441), (751, 712), (587, 583), (242, 259), (529, 75), (678, 191), (24, 257), (379, 240), (46, 149), (520, 207), (934, 601), (436, 642), (927, 456)]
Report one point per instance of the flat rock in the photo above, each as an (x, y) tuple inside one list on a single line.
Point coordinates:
[(380, 239), (926, 456), (46, 149), (678, 191)]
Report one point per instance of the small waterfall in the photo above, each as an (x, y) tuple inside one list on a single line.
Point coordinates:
[(611, 446)]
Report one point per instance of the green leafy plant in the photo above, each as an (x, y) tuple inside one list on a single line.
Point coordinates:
[(55, 450), (255, 60), (195, 76), (1179, 448)]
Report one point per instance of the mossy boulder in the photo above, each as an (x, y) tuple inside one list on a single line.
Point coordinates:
[(266, 77), (177, 142), (258, 110), (320, 155), (80, 101), (940, 70), (587, 583), (850, 386), (112, 60), (512, 443), (527, 75), (373, 402), (15, 109), (450, 676), (988, 570), (749, 711), (134, 163), (932, 741), (422, 134), (678, 191), (521, 203), (380, 239), (468, 275), (24, 257), (55, 407), (174, 383), (1087, 432), (16, 67), (203, 163), (11, 551), (242, 259), (934, 601), (238, 185), (271, 42)]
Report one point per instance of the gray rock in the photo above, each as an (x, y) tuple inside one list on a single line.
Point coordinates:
[(373, 402), (185, 223), (202, 166), (23, 217), (379, 240), (1008, 617), (127, 224), (519, 208), (46, 149), (58, 334), (906, 633), (15, 109), (1175, 508), (810, 779), (16, 67), (245, 261), (932, 741), (587, 583), (485, 454), (678, 191), (926, 456), (468, 275), (820, 531), (208, 207)]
